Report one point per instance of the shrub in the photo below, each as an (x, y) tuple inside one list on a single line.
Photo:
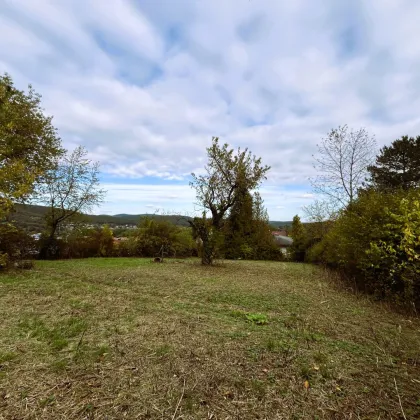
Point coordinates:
[(298, 249), (15, 245), (81, 242), (376, 242), (151, 235)]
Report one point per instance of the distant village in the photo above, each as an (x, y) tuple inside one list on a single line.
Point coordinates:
[(281, 237)]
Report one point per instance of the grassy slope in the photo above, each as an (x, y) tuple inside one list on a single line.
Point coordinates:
[(125, 338)]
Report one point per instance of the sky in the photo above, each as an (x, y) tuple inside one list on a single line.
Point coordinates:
[(145, 84)]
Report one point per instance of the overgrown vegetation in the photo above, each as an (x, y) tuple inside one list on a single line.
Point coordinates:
[(126, 338), (374, 241)]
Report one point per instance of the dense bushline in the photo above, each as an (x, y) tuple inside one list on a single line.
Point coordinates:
[(152, 238), (374, 241)]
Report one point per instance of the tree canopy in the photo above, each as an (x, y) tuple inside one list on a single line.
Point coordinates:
[(29, 144), (226, 173), (397, 166), (69, 189)]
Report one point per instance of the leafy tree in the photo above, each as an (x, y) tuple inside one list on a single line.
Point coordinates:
[(29, 144), (156, 235), (239, 225), (225, 173), (298, 248), (342, 161), (106, 241), (262, 240), (397, 166), (69, 189), (247, 230)]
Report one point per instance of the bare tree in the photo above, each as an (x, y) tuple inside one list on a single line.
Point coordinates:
[(342, 161), (320, 214), (226, 173), (320, 211), (70, 189)]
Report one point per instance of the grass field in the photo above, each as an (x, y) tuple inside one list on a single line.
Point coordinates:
[(129, 339)]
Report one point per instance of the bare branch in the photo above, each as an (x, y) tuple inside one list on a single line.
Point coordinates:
[(342, 161)]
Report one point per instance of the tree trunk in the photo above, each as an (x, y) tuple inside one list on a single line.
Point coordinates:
[(202, 230), (207, 251), (48, 250)]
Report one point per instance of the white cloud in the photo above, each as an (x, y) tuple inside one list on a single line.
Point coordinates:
[(144, 86), (140, 198)]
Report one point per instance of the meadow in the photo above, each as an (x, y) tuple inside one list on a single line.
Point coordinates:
[(131, 339)]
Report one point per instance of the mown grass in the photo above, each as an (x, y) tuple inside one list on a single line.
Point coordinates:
[(126, 338)]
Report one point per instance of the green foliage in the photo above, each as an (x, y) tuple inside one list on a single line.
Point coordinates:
[(154, 236), (29, 143), (298, 234), (4, 260), (106, 242), (69, 189), (82, 242), (395, 256), (15, 244), (238, 227), (397, 166), (258, 319), (247, 231), (228, 178), (29, 147), (377, 242), (125, 248), (210, 240)]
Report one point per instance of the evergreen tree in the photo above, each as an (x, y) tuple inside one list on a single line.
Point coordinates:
[(297, 250), (397, 166), (248, 234), (239, 225)]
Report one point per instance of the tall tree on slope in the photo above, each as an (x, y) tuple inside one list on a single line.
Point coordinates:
[(225, 173), (397, 166)]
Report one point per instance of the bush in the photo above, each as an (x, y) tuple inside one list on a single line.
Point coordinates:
[(15, 245), (151, 235), (298, 233), (125, 248), (81, 242), (376, 242)]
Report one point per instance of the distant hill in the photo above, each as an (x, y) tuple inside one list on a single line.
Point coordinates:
[(31, 217), (277, 224)]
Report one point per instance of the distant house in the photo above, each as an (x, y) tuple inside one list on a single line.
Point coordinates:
[(122, 239), (279, 233), (283, 242)]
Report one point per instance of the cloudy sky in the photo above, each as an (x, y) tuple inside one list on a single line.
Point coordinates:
[(145, 84)]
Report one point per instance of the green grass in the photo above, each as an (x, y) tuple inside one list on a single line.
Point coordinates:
[(127, 338)]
